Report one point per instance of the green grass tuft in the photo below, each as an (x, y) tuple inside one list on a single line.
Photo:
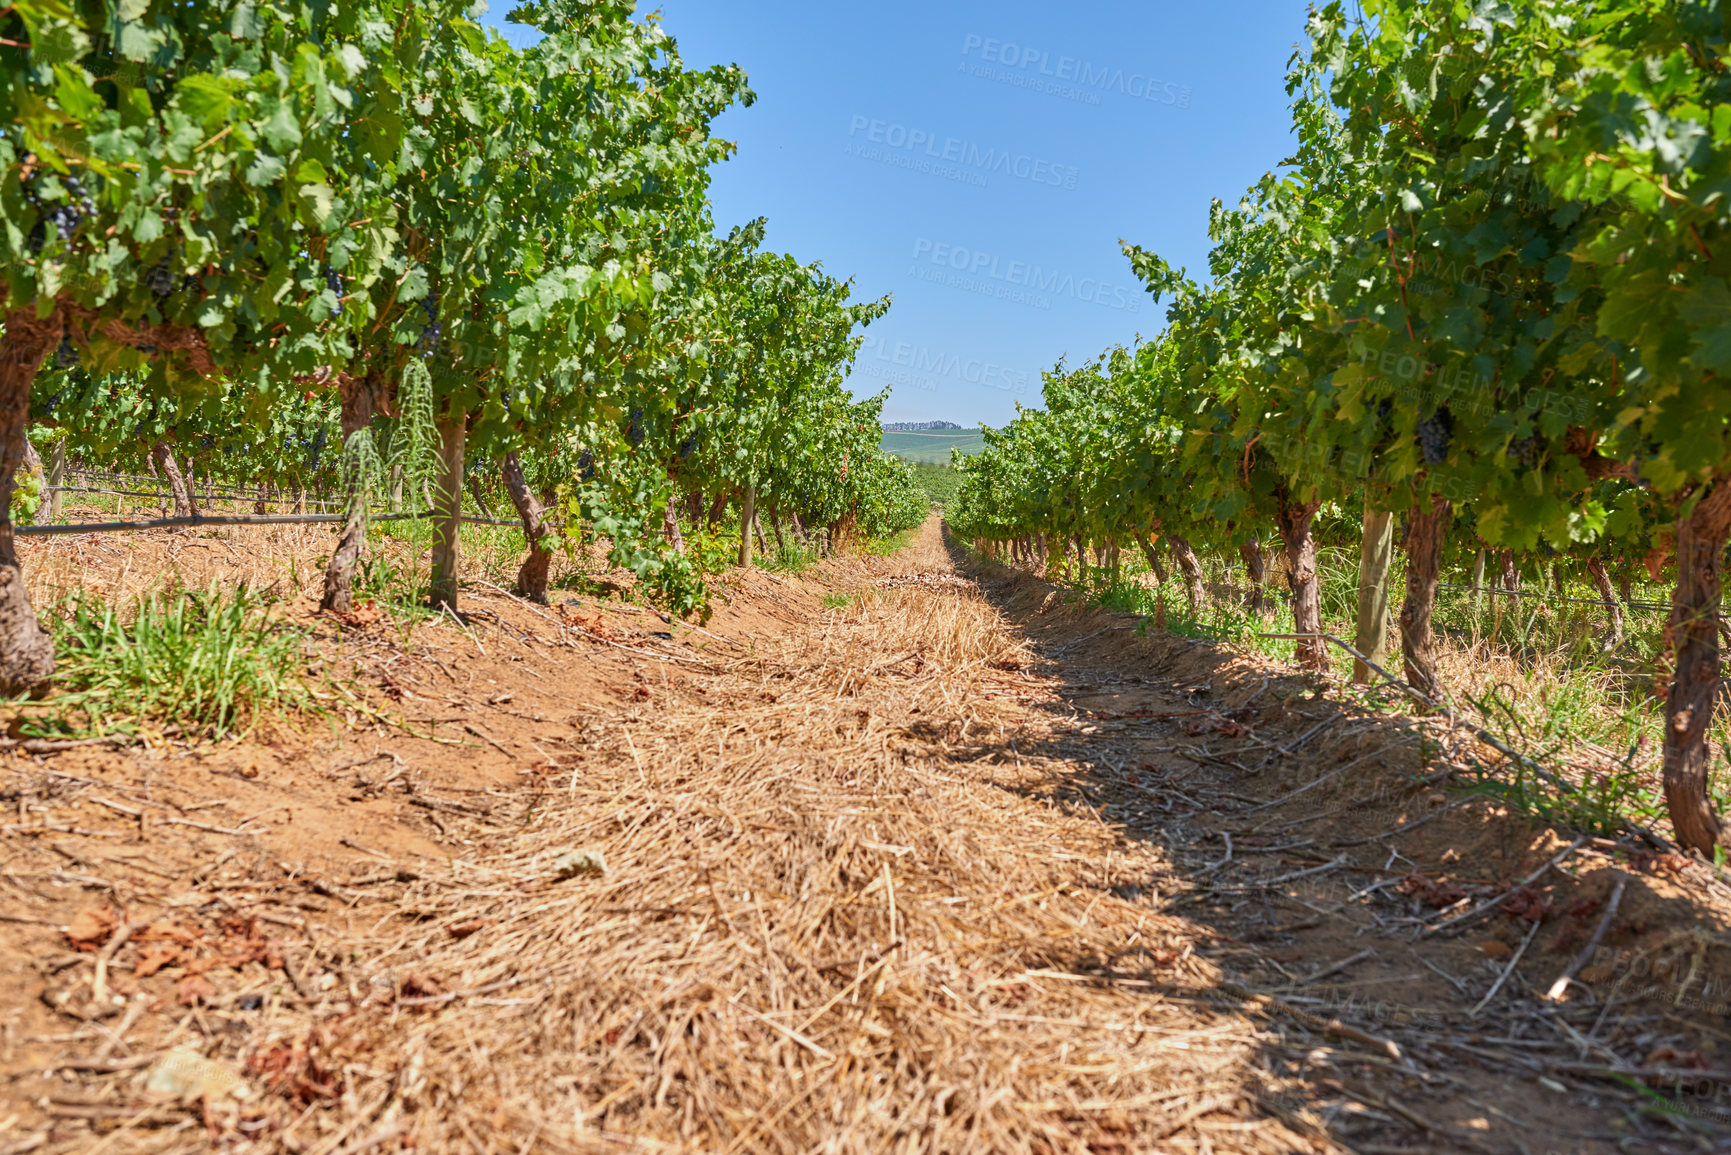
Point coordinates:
[(210, 663)]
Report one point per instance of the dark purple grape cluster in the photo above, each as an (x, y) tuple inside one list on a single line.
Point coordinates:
[(687, 448), (429, 343), (334, 282), (65, 216), (1522, 450), (586, 465), (160, 279), (66, 357), (1434, 436), (634, 432)]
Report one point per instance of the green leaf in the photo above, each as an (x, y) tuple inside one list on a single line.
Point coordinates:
[(72, 90), (1706, 309), (264, 170), (282, 129), (316, 203), (204, 98)]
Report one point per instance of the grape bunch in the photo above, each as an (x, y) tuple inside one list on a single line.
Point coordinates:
[(586, 465), (687, 447), (160, 279), (429, 342), (1434, 436), (334, 282), (66, 357), (634, 433), (66, 217)]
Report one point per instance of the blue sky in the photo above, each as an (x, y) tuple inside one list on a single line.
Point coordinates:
[(980, 161)]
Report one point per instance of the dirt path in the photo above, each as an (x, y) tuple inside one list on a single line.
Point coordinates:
[(953, 867)]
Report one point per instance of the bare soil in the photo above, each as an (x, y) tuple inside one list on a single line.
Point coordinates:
[(961, 866)]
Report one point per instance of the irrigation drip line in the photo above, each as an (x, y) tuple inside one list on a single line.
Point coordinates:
[(1479, 732), (220, 519), (1549, 597)]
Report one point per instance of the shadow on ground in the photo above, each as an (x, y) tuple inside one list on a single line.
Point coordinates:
[(1334, 862)]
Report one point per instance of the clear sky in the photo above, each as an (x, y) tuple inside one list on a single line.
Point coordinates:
[(981, 160)]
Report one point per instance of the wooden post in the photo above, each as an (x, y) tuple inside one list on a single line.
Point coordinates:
[(448, 512), (56, 478), (1376, 552)]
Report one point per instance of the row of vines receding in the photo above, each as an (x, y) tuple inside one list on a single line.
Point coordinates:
[(1486, 299), (376, 249)]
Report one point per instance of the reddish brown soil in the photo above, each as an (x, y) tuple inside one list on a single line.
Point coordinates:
[(434, 752)]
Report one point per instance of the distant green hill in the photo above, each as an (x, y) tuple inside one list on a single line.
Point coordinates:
[(933, 445)]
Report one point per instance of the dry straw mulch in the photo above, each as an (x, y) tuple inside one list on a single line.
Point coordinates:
[(825, 923), (869, 879)]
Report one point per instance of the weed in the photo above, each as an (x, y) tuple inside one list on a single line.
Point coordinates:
[(1538, 669), (210, 663), (887, 546)]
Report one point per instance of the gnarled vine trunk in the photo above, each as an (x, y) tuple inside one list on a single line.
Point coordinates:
[(1425, 531), (670, 525), (360, 400), (1191, 567), (1511, 572), (532, 575), (26, 652), (164, 458), (1701, 538), (1151, 550), (775, 527), (1602, 583), (1295, 520), (1256, 599)]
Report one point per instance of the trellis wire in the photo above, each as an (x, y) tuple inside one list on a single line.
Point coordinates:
[(1549, 597), (222, 519), (200, 496)]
